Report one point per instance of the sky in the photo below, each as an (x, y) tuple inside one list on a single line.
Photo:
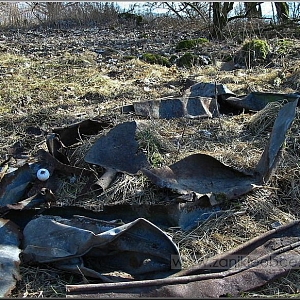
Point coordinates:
[(266, 6)]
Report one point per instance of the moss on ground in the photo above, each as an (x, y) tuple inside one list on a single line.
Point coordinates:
[(283, 46), (153, 58), (256, 49), (190, 44), (187, 60)]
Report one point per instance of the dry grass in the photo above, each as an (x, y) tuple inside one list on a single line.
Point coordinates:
[(55, 95)]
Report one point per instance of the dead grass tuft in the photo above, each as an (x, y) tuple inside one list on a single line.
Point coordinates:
[(264, 119)]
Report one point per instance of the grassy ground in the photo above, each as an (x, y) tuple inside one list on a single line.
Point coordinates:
[(58, 79)]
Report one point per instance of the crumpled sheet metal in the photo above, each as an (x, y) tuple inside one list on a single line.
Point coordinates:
[(118, 150), (13, 184), (10, 237), (44, 197), (74, 133), (201, 174), (211, 90), (63, 137), (138, 248), (22, 183), (244, 268), (186, 215), (270, 156), (198, 101), (21, 190), (256, 101), (168, 108)]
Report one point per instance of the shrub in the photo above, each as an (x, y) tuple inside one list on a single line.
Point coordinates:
[(127, 16)]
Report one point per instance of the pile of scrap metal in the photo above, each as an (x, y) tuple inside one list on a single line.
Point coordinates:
[(131, 238)]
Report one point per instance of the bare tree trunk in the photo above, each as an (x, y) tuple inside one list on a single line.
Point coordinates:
[(253, 9), (220, 17), (282, 10)]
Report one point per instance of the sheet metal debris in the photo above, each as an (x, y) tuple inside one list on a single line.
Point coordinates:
[(176, 214), (168, 108), (244, 268), (22, 182), (270, 156), (211, 90), (14, 184), (256, 101), (117, 152), (139, 248), (198, 101), (130, 238), (76, 132), (205, 100), (44, 198), (63, 137), (202, 175), (10, 237)]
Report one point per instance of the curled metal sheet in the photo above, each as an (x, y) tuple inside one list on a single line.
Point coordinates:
[(168, 108), (185, 215), (203, 89), (245, 268), (14, 184), (118, 150), (63, 137), (51, 163), (74, 133), (139, 248), (201, 174), (256, 101), (44, 197), (10, 237), (22, 183), (198, 101), (269, 158)]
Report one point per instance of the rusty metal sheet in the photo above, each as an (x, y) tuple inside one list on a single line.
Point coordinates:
[(168, 108), (139, 248), (202, 174), (244, 268), (14, 184), (10, 237), (256, 101), (270, 157), (74, 133), (204, 89), (118, 150)]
